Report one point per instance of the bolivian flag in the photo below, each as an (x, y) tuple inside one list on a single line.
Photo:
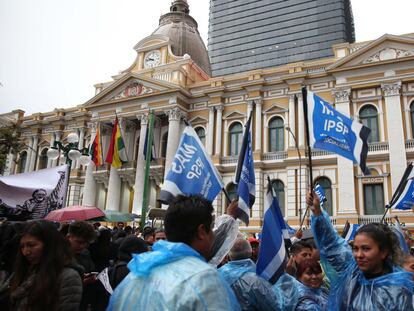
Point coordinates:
[(116, 152), (96, 148)]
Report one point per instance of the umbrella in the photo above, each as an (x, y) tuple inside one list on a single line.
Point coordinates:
[(76, 212), (116, 216)]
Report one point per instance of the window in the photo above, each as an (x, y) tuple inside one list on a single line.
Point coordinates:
[(43, 159), (276, 135), (231, 191), (369, 117), (326, 185), (412, 117), (236, 138), (201, 133), (279, 192), (164, 141), (22, 162), (373, 199)]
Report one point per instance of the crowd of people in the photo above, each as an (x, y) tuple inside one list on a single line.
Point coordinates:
[(87, 266)]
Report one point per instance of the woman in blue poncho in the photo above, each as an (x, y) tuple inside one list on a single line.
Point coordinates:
[(369, 276)]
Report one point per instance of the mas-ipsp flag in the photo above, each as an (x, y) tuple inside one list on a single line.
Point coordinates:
[(247, 185), (332, 131), (350, 231), (319, 191), (192, 171), (403, 197), (272, 253), (33, 195)]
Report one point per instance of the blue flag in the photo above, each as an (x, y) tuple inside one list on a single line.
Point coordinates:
[(332, 131), (319, 191), (272, 253), (350, 231), (403, 197), (247, 184), (192, 171)]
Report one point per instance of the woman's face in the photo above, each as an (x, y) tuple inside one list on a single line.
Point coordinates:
[(311, 278), (31, 248), (369, 257)]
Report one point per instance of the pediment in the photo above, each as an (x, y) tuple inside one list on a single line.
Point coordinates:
[(198, 120), (131, 86), (235, 114), (275, 108), (386, 48)]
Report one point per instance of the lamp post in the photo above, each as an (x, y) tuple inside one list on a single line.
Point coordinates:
[(70, 151), (300, 170)]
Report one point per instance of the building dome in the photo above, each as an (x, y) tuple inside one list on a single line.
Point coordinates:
[(182, 31)]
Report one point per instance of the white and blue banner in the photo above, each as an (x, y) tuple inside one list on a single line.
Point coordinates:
[(33, 195), (319, 191), (333, 131), (272, 253), (350, 231), (403, 199), (191, 171), (247, 185)]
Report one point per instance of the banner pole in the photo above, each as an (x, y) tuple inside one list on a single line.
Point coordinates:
[(305, 112), (147, 169), (387, 208)]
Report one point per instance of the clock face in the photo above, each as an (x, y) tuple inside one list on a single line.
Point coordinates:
[(152, 59)]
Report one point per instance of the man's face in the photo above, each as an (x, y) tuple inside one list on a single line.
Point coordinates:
[(77, 244), (160, 236), (120, 226), (305, 253), (150, 238), (39, 196)]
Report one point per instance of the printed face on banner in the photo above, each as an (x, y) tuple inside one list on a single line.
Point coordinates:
[(333, 130), (191, 171)]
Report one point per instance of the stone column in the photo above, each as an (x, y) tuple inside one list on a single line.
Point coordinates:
[(52, 141), (34, 154), (219, 134), (10, 164), (57, 138), (210, 132), (89, 189), (80, 145), (292, 120), (174, 133), (249, 108), (301, 120), (29, 156), (258, 130), (398, 158), (114, 190), (346, 179), (140, 168)]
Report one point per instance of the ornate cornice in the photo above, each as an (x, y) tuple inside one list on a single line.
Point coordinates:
[(391, 89), (175, 114), (342, 96)]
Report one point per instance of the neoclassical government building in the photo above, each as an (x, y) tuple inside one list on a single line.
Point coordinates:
[(372, 81)]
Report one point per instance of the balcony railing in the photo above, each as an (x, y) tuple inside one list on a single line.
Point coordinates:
[(279, 155), (409, 144), (378, 147), (229, 160)]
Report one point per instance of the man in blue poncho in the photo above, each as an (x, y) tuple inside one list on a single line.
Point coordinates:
[(252, 291), (176, 276)]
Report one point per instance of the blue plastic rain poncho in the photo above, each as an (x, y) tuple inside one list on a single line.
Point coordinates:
[(298, 297), (172, 277), (252, 291), (350, 290)]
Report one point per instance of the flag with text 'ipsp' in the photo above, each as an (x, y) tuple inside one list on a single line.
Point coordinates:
[(333, 131), (272, 253), (191, 171)]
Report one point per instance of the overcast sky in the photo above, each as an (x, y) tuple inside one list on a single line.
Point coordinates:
[(53, 51)]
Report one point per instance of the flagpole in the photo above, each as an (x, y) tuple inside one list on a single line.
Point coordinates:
[(147, 169), (305, 112)]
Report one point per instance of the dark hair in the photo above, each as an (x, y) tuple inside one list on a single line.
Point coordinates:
[(128, 230), (386, 240), (298, 246), (185, 215), (148, 231), (131, 245), (44, 293), (311, 264), (159, 230), (311, 242), (83, 230)]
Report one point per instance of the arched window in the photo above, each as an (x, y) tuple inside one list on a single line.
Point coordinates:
[(326, 185), (279, 192), (369, 117), (43, 159), (236, 138), (231, 191), (412, 117), (164, 141), (22, 162), (276, 135), (201, 133)]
